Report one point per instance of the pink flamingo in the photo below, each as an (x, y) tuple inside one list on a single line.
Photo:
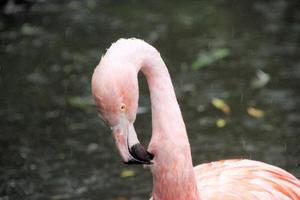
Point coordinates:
[(115, 90)]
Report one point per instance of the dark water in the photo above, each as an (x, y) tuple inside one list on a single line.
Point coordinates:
[(53, 145)]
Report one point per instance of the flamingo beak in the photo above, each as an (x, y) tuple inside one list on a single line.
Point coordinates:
[(130, 149)]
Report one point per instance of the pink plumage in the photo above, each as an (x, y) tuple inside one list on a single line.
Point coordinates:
[(115, 90), (245, 179)]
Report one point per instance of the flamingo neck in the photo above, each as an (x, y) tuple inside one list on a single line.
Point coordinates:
[(172, 169), (173, 174)]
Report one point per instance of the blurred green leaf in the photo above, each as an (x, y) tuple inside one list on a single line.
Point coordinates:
[(255, 112), (208, 58), (260, 80), (127, 173), (80, 102), (221, 105), (29, 30), (221, 123)]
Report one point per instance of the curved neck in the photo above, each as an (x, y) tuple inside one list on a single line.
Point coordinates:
[(173, 174)]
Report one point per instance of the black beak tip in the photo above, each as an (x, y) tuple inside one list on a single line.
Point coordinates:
[(137, 162), (140, 155), (151, 156)]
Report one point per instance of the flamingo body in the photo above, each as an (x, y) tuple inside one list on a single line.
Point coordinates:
[(245, 180), (115, 91)]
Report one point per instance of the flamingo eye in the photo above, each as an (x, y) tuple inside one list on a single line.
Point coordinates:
[(123, 107)]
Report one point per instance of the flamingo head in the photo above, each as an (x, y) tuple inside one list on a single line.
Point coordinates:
[(116, 96)]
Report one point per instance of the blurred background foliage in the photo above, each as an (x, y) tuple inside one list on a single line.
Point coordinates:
[(235, 66)]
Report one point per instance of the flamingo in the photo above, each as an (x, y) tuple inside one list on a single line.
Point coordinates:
[(115, 91)]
